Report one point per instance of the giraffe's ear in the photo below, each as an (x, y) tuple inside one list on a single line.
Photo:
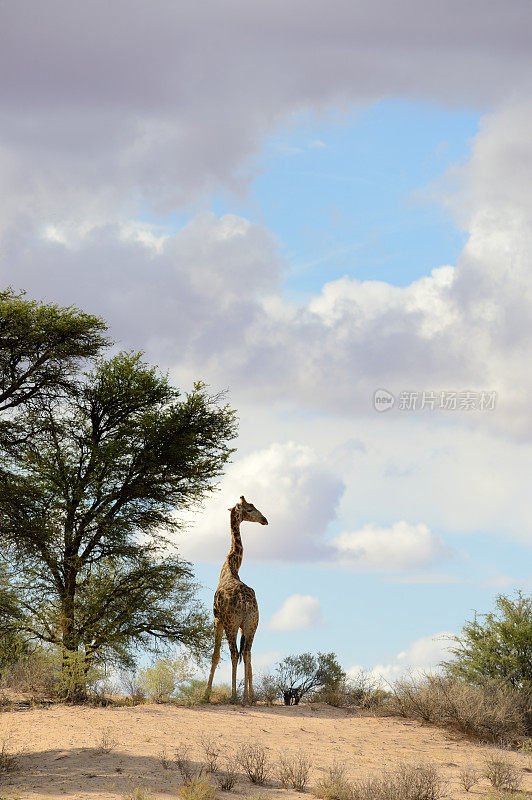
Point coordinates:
[(242, 499)]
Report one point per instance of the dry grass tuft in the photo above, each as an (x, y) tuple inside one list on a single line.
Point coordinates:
[(196, 789), (502, 773), (254, 761), (294, 771), (139, 794), (187, 768)]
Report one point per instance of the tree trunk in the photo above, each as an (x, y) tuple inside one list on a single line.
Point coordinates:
[(73, 683)]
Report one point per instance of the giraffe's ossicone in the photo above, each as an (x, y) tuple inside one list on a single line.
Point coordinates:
[(235, 605)]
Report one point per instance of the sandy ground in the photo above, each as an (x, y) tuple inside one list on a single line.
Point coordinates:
[(61, 748)]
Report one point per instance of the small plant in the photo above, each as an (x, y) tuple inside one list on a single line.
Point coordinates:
[(196, 789), (525, 747), (163, 758), (136, 691), (334, 785), (139, 794), (227, 776), (267, 689), (468, 777), (106, 743), (8, 761), (294, 771), (502, 773), (187, 768), (211, 750), (253, 759)]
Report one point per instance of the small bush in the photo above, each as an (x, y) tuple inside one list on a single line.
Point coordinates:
[(362, 691), (468, 777), (187, 768), (294, 771), (9, 762), (163, 758), (211, 749), (408, 783), (106, 743), (253, 759), (227, 777), (267, 689), (139, 794), (502, 773), (334, 785), (135, 689), (192, 693), (196, 789), (161, 680)]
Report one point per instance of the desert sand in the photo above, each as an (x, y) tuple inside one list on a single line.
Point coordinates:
[(62, 748)]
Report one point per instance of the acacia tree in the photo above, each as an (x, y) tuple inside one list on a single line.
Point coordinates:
[(41, 345), (299, 675), (87, 499), (497, 646)]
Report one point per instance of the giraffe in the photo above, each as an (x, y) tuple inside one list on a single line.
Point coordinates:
[(235, 605)]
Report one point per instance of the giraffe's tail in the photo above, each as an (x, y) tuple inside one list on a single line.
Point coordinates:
[(242, 645)]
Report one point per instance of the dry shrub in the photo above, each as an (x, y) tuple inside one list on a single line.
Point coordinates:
[(491, 712), (294, 771), (334, 785), (408, 783), (468, 777), (106, 742), (227, 777), (139, 794), (197, 788), (502, 773), (211, 749), (254, 761), (187, 768), (163, 757), (362, 691), (135, 688), (9, 762)]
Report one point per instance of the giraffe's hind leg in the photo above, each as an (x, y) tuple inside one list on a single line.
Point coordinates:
[(248, 674), (218, 633)]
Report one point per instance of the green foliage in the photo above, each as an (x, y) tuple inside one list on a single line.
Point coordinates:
[(162, 679), (41, 345), (89, 490), (298, 675), (497, 646)]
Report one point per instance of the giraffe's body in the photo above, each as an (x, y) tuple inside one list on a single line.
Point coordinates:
[(235, 605)]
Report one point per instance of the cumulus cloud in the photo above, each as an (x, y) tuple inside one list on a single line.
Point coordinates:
[(402, 546), (297, 612), (292, 487), (422, 655)]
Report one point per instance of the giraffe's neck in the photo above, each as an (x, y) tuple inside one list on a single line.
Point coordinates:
[(234, 559)]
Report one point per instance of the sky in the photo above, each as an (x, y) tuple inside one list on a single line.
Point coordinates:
[(325, 209)]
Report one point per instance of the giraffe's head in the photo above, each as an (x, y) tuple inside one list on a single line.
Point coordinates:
[(248, 512)]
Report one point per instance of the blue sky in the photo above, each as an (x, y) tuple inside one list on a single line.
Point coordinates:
[(302, 203), (353, 193)]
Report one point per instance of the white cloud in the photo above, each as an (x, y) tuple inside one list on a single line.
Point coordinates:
[(297, 612), (422, 655), (402, 546), (291, 486)]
